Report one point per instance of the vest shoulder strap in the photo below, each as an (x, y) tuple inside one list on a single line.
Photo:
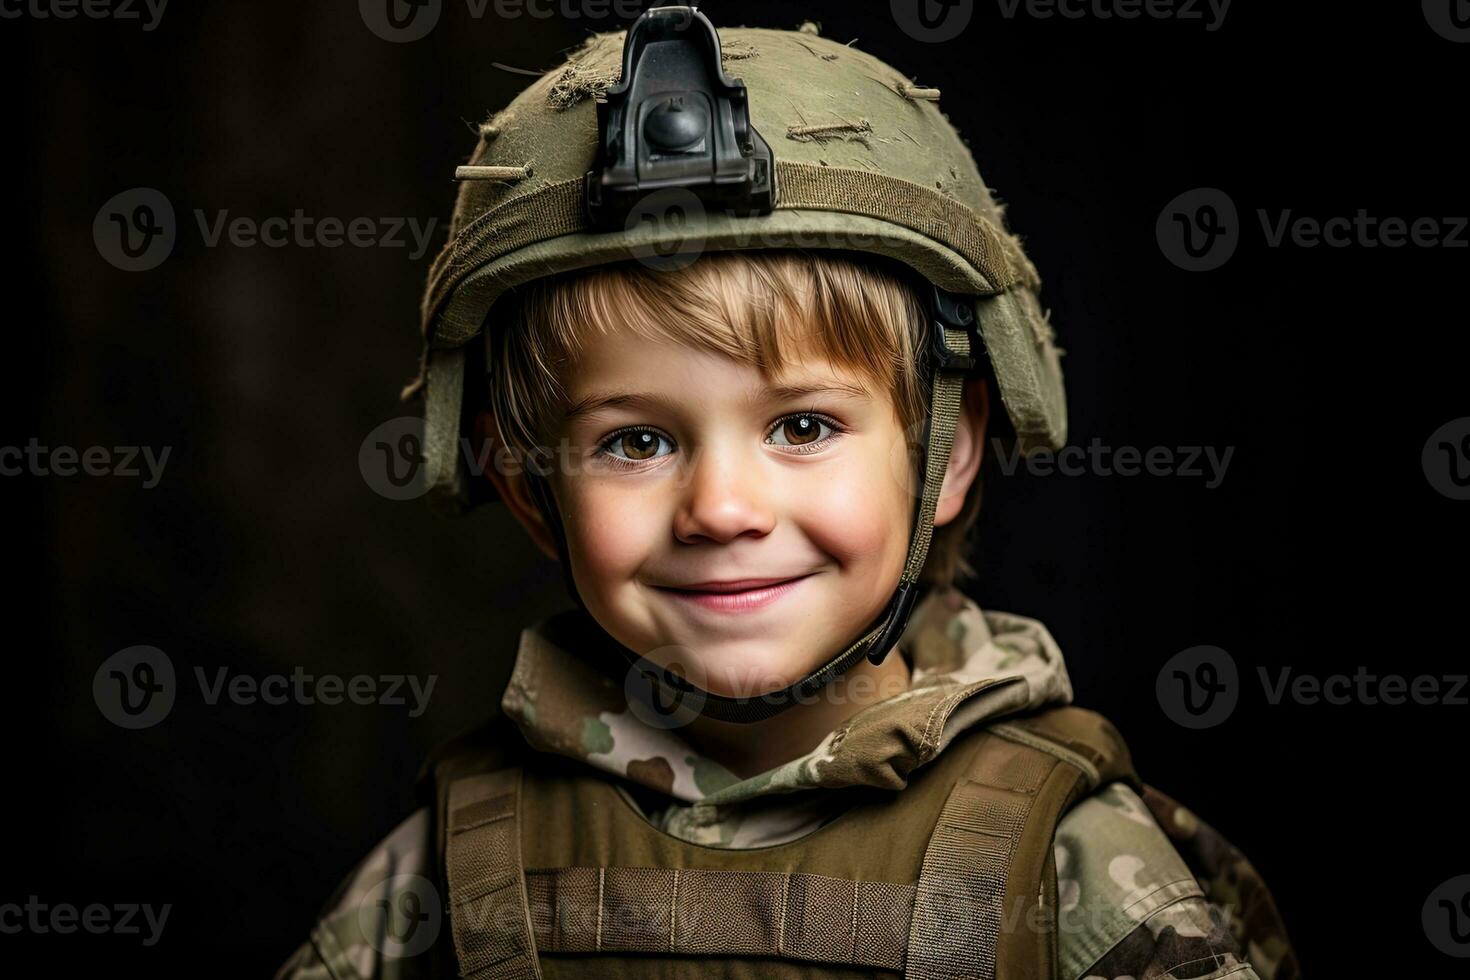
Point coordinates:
[(985, 906), (485, 759), (494, 744), (1080, 737), (489, 913)]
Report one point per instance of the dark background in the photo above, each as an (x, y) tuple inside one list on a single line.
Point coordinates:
[(263, 549)]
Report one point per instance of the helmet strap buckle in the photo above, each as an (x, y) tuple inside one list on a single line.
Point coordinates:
[(951, 311), (899, 609)]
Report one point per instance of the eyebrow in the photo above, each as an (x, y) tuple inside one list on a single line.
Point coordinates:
[(600, 401)]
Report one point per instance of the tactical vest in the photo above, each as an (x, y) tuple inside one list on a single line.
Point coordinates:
[(552, 872)]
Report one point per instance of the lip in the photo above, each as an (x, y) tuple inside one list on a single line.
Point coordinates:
[(737, 595)]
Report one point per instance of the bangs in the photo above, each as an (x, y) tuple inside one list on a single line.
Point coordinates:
[(769, 309)]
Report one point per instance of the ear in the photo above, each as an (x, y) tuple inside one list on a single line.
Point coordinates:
[(511, 483), (969, 447)]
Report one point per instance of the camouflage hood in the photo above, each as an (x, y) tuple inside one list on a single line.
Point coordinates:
[(968, 667)]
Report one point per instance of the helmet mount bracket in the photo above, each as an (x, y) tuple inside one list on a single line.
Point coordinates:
[(675, 120)]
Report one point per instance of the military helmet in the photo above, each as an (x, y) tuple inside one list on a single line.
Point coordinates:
[(756, 139)]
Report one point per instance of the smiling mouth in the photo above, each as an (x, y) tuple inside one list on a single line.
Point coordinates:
[(737, 596)]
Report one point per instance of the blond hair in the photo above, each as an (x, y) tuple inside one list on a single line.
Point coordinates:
[(762, 308)]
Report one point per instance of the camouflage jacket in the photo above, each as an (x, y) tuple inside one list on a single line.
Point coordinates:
[(1146, 889)]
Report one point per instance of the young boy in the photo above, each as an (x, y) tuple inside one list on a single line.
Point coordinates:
[(773, 738)]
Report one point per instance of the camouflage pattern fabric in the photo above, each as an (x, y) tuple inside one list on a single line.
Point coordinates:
[(1136, 899), (351, 939), (1232, 883)]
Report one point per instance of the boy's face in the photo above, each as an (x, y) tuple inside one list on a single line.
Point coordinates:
[(678, 468)]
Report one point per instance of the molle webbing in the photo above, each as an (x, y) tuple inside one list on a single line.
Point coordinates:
[(557, 209), (487, 892), (978, 911), (720, 913), (982, 905)]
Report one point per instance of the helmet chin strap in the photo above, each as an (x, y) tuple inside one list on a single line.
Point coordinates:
[(951, 359)]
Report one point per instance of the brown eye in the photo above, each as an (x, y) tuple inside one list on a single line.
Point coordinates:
[(637, 445), (800, 430)]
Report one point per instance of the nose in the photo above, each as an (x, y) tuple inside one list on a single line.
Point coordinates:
[(725, 495)]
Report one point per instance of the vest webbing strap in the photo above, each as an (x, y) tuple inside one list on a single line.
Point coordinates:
[(488, 911), (966, 923), (721, 912)]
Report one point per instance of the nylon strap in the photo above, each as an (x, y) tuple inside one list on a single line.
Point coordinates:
[(489, 913), (944, 415), (976, 912), (721, 913)]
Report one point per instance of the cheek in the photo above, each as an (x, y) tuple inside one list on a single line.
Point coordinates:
[(862, 516), (609, 534)]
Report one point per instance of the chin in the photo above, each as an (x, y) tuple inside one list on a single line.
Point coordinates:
[(750, 669)]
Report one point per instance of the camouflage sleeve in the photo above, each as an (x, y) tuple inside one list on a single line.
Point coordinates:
[(1128, 904), (1231, 883), (383, 919)]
